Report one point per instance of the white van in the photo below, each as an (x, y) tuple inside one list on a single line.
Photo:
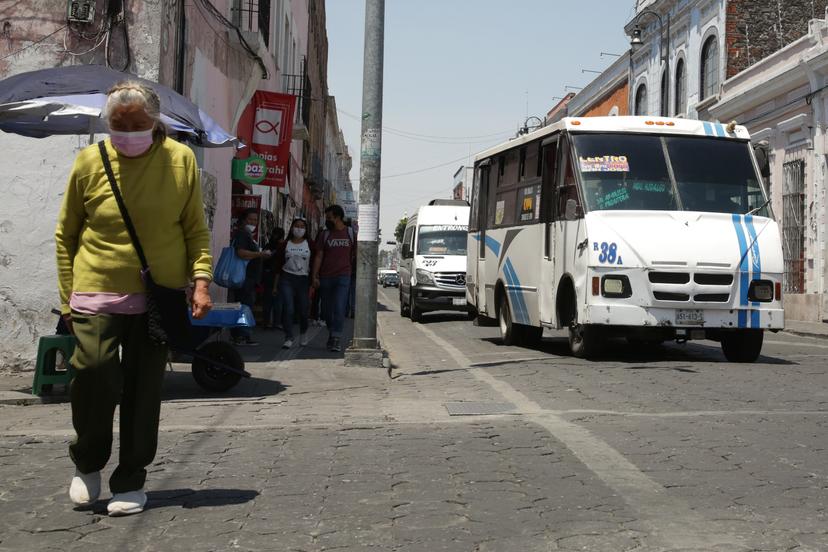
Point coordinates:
[(433, 265)]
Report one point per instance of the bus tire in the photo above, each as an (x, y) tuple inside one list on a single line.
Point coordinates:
[(531, 335), (509, 331), (584, 340), (742, 346)]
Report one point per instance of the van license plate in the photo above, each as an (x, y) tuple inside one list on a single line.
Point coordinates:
[(459, 302), (689, 317)]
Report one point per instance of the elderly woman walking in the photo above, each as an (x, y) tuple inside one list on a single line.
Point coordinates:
[(103, 295)]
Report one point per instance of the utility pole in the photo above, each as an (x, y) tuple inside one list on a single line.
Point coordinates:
[(365, 351)]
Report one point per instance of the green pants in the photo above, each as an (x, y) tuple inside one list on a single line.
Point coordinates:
[(103, 379)]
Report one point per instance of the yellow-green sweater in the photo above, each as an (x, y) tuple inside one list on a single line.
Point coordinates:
[(162, 193)]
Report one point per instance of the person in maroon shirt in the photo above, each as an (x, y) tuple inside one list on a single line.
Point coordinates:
[(335, 255)]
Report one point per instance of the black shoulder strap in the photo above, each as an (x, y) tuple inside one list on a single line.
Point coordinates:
[(133, 235)]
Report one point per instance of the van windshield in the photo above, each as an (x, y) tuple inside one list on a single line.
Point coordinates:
[(442, 240), (668, 173)]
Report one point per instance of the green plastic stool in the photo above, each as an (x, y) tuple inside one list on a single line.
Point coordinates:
[(46, 372)]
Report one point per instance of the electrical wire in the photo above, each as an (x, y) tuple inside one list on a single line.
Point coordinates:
[(101, 39), (33, 44), (414, 135), (224, 21), (112, 24)]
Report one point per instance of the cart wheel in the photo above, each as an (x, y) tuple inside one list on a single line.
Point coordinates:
[(212, 377)]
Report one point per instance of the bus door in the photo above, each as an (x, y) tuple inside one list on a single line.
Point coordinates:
[(568, 215), (549, 180), (480, 214)]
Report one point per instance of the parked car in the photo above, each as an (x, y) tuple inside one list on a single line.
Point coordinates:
[(391, 280)]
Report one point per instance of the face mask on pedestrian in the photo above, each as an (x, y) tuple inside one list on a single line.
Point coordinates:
[(131, 144), (250, 228), (298, 233)]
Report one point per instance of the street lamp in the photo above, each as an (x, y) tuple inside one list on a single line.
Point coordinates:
[(663, 51)]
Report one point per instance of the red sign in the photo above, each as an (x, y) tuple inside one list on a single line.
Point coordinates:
[(265, 128), (241, 203)]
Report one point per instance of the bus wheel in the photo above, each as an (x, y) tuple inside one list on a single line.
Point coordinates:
[(584, 340), (742, 346), (531, 335), (508, 329)]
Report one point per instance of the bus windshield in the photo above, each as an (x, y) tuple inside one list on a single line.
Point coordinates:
[(446, 239), (668, 173)]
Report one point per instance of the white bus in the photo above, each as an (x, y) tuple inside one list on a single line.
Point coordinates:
[(647, 228)]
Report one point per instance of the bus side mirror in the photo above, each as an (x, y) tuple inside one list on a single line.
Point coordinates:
[(406, 251), (571, 212), (762, 152)]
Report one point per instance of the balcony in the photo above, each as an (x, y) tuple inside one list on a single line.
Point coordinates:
[(299, 85), (253, 18)]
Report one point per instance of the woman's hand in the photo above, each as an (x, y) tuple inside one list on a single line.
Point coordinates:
[(67, 319), (202, 303), (315, 282)]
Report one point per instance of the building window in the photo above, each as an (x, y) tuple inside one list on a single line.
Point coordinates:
[(710, 68), (681, 89), (640, 107), (793, 226), (665, 96)]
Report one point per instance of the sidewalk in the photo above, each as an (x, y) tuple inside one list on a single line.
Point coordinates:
[(806, 329)]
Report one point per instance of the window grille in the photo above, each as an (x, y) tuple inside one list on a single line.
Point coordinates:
[(793, 226)]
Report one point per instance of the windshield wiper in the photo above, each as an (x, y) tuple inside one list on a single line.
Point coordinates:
[(752, 211)]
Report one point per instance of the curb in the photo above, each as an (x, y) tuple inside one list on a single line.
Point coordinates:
[(15, 398), (801, 333)]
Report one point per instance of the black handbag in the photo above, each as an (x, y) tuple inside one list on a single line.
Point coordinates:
[(167, 320)]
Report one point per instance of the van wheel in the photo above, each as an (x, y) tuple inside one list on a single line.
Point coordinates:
[(403, 307), (742, 346), (415, 313), (508, 329)]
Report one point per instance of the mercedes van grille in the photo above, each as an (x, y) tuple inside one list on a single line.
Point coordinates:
[(451, 280)]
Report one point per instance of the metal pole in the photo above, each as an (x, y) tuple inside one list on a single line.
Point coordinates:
[(365, 349)]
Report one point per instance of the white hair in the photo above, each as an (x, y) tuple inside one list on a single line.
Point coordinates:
[(131, 93)]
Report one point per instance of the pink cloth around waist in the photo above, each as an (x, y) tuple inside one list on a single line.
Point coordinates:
[(108, 303)]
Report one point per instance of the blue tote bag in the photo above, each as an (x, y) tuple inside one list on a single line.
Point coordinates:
[(231, 269)]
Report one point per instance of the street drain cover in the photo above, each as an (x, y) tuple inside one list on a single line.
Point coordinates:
[(471, 408)]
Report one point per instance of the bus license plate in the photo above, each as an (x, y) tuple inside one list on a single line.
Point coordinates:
[(689, 317), (461, 302)]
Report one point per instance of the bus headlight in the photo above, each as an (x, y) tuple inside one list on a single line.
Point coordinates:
[(616, 286), (424, 277), (761, 291)]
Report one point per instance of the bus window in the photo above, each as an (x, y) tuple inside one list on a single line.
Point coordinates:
[(475, 200), (548, 170), (568, 188)]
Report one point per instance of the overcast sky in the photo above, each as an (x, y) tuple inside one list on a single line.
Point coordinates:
[(458, 77)]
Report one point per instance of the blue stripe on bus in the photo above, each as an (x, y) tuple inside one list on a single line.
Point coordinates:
[(744, 276), (517, 295), (491, 243), (720, 132), (708, 128), (756, 267)]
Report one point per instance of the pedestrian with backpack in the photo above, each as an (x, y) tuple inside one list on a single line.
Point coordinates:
[(335, 255)]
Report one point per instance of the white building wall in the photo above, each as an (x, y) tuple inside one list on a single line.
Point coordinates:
[(35, 172), (691, 23)]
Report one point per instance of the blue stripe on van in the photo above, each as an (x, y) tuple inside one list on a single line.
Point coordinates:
[(744, 276)]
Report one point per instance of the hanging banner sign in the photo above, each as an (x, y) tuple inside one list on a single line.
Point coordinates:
[(266, 127)]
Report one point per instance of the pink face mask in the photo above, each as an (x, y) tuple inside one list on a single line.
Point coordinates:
[(131, 144)]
